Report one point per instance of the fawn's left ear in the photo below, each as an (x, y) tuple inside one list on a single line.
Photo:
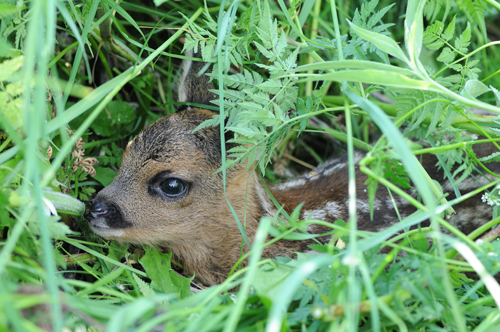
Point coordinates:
[(193, 87)]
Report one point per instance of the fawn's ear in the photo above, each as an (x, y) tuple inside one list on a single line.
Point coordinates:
[(193, 87)]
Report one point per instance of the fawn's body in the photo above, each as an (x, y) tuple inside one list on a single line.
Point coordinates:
[(169, 194)]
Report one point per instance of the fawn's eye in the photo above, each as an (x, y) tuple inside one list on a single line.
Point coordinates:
[(167, 186), (173, 187)]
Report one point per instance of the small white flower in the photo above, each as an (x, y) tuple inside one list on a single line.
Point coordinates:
[(492, 198)]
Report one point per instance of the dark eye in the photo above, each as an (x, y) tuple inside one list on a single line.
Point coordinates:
[(173, 187)]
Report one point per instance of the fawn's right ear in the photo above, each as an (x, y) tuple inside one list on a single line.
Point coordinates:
[(193, 87)]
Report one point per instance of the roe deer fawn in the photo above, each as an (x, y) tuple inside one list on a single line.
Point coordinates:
[(168, 194)]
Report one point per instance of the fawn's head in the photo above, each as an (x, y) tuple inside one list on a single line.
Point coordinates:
[(167, 189), (168, 192)]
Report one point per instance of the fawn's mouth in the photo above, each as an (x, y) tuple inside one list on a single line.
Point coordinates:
[(106, 231)]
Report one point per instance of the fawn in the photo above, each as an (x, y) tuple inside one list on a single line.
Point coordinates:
[(168, 194)]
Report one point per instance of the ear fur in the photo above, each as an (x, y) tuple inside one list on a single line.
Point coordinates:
[(194, 88)]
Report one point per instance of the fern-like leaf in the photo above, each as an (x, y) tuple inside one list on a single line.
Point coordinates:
[(432, 36), (476, 9), (494, 157)]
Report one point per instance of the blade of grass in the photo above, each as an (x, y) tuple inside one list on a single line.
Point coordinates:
[(258, 245), (224, 28), (38, 50)]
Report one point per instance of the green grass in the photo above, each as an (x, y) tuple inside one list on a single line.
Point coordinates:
[(67, 65)]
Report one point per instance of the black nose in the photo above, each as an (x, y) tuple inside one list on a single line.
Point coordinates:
[(100, 212), (95, 209), (98, 209)]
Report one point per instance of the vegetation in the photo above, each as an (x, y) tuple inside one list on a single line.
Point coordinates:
[(79, 79)]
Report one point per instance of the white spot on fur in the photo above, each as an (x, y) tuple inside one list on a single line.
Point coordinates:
[(363, 206), (468, 184), (389, 203), (328, 171), (318, 214), (333, 209), (330, 168), (291, 184), (398, 200), (328, 238)]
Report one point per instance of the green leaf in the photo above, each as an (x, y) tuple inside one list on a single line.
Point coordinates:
[(11, 105), (272, 86), (436, 116), (414, 30), (432, 36), (419, 242), (450, 30), (268, 278), (473, 89), (447, 55), (163, 278), (371, 77), (57, 228), (6, 50), (352, 64), (476, 9), (144, 288), (64, 203), (159, 2), (451, 114), (7, 10), (386, 44), (321, 248), (463, 41), (265, 52), (118, 113), (397, 174), (494, 157), (281, 46), (9, 69), (116, 252), (497, 95), (104, 175)]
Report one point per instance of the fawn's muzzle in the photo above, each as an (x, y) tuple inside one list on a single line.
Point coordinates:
[(104, 215)]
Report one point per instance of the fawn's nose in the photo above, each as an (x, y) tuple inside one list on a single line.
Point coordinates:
[(96, 209), (104, 214)]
